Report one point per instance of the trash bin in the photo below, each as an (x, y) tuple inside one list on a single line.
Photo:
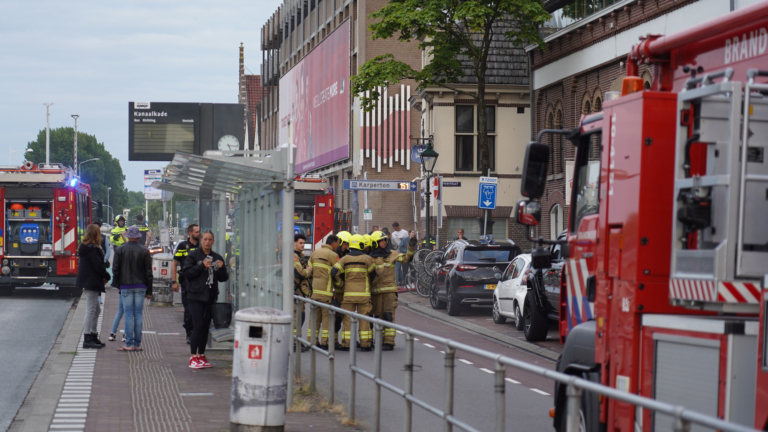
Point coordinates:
[(162, 293), (260, 370)]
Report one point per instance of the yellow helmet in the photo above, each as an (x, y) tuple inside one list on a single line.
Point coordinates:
[(344, 236), (368, 241), (377, 236), (357, 242)]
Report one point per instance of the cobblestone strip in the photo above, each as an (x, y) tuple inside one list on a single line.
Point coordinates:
[(71, 412), (157, 403)]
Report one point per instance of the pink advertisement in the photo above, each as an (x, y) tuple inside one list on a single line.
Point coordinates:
[(314, 103)]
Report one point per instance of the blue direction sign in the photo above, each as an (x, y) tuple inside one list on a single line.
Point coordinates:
[(416, 152), (486, 196), (380, 185)]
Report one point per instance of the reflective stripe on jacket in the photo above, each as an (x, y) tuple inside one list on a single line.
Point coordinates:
[(321, 261), (118, 231), (385, 271), (355, 270)]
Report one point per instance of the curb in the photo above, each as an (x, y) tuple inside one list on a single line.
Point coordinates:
[(527, 346), (47, 399)]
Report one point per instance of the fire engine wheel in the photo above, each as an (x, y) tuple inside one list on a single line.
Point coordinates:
[(582, 421), (535, 322), (518, 317)]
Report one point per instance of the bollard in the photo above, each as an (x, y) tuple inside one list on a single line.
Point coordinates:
[(162, 294), (260, 370)]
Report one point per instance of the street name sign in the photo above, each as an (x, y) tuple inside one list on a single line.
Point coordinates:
[(486, 195), (380, 185), (451, 184)]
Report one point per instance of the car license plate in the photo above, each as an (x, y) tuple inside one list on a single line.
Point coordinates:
[(490, 286)]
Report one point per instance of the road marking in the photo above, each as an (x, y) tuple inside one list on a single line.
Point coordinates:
[(540, 392), (168, 334), (512, 381), (415, 339), (428, 345), (466, 361), (487, 370), (196, 394), (442, 352)]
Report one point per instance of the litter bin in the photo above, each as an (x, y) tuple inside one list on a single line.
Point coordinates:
[(162, 293), (260, 370)]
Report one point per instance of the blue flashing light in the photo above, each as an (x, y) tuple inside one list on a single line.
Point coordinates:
[(73, 182)]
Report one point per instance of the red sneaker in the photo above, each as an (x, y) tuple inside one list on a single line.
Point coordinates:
[(203, 362), (195, 363)]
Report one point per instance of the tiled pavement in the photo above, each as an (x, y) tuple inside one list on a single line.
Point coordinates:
[(154, 390)]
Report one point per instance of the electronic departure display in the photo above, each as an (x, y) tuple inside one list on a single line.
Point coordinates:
[(157, 130)]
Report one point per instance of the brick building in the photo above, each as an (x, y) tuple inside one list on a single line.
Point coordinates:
[(249, 94), (586, 48), (379, 143)]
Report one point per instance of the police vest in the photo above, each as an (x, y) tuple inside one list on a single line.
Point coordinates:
[(117, 237)]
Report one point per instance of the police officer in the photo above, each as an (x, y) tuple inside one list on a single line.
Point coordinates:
[(356, 268), (384, 291), (118, 232), (143, 230), (179, 256), (321, 261), (301, 274)]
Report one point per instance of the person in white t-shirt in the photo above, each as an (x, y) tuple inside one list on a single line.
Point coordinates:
[(399, 235)]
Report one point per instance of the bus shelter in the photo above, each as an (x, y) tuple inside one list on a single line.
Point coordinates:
[(245, 200)]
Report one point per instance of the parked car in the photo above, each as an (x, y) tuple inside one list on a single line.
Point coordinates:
[(509, 295), (468, 273), (537, 298)]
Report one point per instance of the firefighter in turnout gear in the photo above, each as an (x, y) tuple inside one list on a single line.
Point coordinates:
[(368, 243), (321, 262), (357, 270), (301, 274), (118, 232), (384, 290), (338, 292)]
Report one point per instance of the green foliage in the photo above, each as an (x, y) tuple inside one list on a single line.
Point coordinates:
[(101, 174), (448, 30)]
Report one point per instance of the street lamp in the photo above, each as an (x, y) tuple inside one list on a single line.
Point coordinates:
[(110, 215), (11, 151), (428, 161), (81, 163)]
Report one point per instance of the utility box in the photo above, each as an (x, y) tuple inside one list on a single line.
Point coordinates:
[(260, 370), (162, 293)]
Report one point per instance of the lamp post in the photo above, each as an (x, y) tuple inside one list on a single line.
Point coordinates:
[(110, 216), (428, 161), (12, 151), (75, 116), (81, 163), (47, 132)]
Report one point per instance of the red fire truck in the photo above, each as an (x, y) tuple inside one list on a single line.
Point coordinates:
[(664, 291), (46, 211)]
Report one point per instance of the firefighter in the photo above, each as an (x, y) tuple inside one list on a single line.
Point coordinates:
[(143, 229), (338, 293), (321, 261), (368, 243), (384, 290), (301, 274), (343, 248), (356, 269), (118, 232)]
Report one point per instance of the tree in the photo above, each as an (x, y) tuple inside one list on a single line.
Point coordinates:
[(457, 35), (101, 174)]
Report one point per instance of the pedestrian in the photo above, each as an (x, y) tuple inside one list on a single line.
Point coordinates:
[(460, 235), (398, 236), (118, 232), (301, 274), (92, 275), (355, 269), (179, 257), (144, 230), (321, 261), (133, 275), (375, 228), (384, 288), (203, 268)]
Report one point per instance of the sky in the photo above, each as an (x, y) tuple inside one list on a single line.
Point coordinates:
[(92, 57)]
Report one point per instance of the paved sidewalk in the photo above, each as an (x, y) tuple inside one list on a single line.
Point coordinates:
[(154, 390)]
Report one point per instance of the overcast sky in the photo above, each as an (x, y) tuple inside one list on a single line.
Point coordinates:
[(92, 57)]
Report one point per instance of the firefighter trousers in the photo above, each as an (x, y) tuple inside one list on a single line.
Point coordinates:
[(364, 326), (321, 324), (384, 305)]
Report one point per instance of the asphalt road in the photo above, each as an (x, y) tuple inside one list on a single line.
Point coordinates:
[(528, 396), (30, 322)]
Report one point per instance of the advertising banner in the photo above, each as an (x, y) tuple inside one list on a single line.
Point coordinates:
[(314, 103)]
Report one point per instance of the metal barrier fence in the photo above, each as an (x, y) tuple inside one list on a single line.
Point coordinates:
[(683, 418)]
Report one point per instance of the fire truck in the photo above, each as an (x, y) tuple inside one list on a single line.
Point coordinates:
[(664, 292), (46, 210)]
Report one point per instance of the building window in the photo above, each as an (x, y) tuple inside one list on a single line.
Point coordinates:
[(555, 221), (472, 228), (466, 137), (559, 141)]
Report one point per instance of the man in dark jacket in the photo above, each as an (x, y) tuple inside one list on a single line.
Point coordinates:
[(202, 269), (132, 273)]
